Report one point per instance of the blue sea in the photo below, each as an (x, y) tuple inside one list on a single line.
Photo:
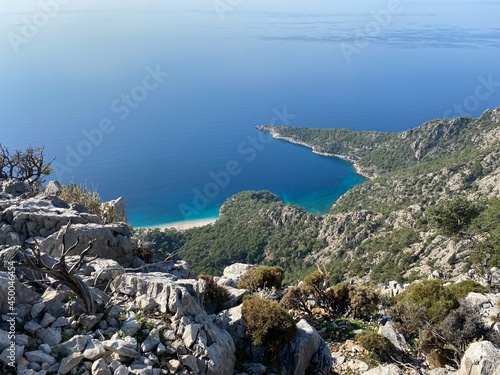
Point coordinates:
[(157, 100)]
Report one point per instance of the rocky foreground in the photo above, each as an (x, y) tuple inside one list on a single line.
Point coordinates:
[(149, 319)]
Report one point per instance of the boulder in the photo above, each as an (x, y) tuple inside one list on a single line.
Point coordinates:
[(487, 304), (23, 295), (232, 322), (121, 347), (94, 350), (235, 297), (54, 300), (76, 344), (41, 216), (165, 290), (104, 270), (7, 358), (69, 362), (9, 254), (53, 188), (15, 187), (392, 289), (233, 273), (100, 367), (390, 369), (481, 358), (151, 341), (118, 208), (50, 336), (307, 350), (40, 357), (389, 332), (112, 241)]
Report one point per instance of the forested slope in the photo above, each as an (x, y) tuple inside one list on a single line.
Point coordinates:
[(387, 228)]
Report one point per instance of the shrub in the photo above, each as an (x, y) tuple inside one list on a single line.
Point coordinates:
[(74, 193), (363, 301), (262, 277), (408, 316), (438, 358), (453, 216), (378, 346), (463, 288), (337, 301), (435, 300), (297, 299), (215, 295), (267, 323), (464, 325), (315, 283)]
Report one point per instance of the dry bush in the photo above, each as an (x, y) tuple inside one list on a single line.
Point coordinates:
[(74, 193), (297, 299), (378, 346), (215, 295), (267, 323), (262, 277)]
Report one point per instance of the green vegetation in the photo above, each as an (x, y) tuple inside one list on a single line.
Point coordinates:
[(463, 288), (341, 300), (455, 215), (262, 277), (488, 222), (375, 151), (91, 201), (378, 346), (267, 323), (386, 228), (434, 301), (383, 257), (429, 313), (161, 243), (215, 295), (247, 231)]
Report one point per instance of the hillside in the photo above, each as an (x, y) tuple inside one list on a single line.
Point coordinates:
[(379, 230)]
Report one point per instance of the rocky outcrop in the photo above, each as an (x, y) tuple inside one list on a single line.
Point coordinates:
[(111, 241), (24, 218), (118, 208), (481, 358), (233, 273), (389, 369), (307, 351), (9, 284), (14, 187), (488, 305), (212, 348), (388, 331)]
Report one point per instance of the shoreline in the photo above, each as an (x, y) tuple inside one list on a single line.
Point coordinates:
[(356, 166), (182, 225)]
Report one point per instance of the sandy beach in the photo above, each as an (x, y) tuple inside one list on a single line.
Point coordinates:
[(183, 225)]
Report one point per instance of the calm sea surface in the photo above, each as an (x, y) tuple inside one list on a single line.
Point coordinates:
[(157, 101)]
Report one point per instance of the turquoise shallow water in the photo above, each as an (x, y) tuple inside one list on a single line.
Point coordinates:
[(150, 101)]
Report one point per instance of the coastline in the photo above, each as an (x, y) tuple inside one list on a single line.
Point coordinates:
[(356, 166), (182, 225)]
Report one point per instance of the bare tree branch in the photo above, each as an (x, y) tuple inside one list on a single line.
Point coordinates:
[(60, 270)]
